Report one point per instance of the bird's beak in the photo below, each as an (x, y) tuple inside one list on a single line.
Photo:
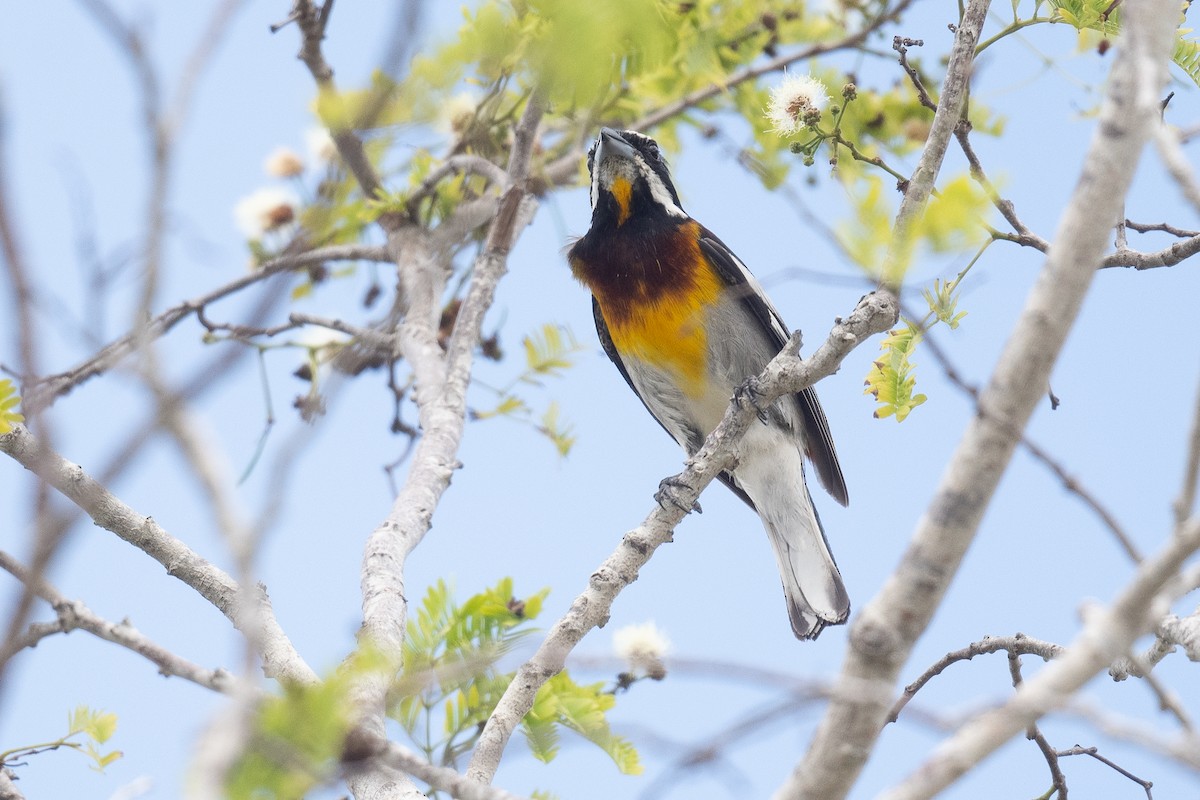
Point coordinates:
[(610, 145)]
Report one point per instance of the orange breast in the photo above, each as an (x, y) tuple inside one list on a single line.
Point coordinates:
[(654, 292)]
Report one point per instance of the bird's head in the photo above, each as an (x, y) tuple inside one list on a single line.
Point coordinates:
[(630, 179)]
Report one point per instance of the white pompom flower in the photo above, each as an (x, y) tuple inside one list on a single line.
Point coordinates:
[(265, 210), (284, 162), (643, 647), (795, 104), (321, 147)]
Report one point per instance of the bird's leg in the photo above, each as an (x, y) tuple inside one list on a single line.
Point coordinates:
[(747, 392), (668, 493)]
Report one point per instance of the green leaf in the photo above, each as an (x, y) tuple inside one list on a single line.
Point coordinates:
[(548, 352), (556, 431), (581, 708), (943, 302), (9, 399), (891, 380)]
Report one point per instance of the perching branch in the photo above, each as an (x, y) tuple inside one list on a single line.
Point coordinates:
[(883, 636), (785, 374)]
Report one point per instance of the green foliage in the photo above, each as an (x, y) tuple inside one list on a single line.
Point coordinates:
[(563, 703), (9, 399), (891, 378), (954, 220), (450, 655), (96, 727), (1099, 19), (943, 302), (299, 733), (548, 354), (868, 231), (452, 683), (556, 431)]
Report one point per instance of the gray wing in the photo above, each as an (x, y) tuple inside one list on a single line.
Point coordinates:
[(817, 438), (695, 439)]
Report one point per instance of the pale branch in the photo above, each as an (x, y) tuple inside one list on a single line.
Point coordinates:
[(785, 374), (564, 168), (8, 789), (886, 630), (1167, 257), (1019, 644), (1043, 457), (32, 637), (1183, 748), (1166, 140), (443, 779), (1172, 632), (1123, 257), (1107, 633), (45, 391), (280, 659), (73, 614), (441, 382), (1185, 503), (945, 119)]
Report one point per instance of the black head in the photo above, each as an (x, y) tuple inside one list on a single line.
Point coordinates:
[(630, 178)]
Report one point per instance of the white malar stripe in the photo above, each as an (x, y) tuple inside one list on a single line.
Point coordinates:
[(658, 191)]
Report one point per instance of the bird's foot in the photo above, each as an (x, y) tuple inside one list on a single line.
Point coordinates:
[(747, 392), (668, 494)]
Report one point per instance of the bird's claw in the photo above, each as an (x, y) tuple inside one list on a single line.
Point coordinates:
[(747, 392), (668, 493)]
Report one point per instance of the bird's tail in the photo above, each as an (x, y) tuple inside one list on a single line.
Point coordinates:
[(812, 584)]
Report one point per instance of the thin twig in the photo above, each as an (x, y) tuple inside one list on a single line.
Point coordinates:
[(1019, 644), (50, 388), (901, 44), (1094, 753), (1033, 733), (280, 658), (75, 615), (1042, 456)]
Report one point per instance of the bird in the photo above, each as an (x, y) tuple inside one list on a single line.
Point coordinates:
[(686, 324)]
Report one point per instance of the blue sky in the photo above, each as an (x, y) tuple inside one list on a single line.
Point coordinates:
[(1127, 379)]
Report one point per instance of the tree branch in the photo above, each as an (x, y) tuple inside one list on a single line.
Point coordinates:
[(441, 386), (882, 637), (280, 659), (47, 390), (785, 374), (74, 614), (1106, 635)]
